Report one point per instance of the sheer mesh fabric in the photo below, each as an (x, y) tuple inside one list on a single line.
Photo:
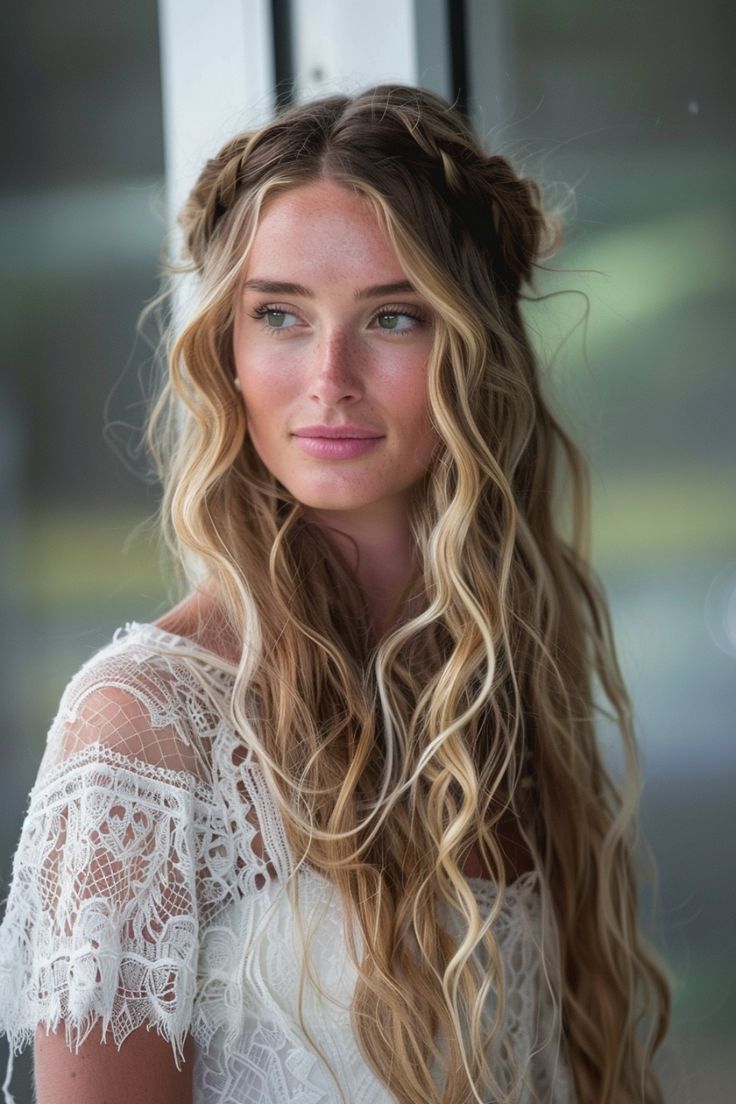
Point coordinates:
[(148, 888)]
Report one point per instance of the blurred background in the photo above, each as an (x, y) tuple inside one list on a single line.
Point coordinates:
[(627, 106)]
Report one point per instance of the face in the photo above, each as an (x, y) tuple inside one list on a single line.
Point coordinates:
[(331, 346)]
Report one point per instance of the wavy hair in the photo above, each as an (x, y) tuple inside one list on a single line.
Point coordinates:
[(390, 759)]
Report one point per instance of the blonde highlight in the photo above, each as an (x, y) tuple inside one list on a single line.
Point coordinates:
[(390, 759)]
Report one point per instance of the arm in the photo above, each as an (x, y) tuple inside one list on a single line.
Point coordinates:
[(143, 1071), (100, 936)]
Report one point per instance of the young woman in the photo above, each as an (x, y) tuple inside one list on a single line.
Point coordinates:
[(337, 826)]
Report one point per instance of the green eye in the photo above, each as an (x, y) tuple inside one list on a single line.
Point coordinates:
[(276, 318), (398, 321)]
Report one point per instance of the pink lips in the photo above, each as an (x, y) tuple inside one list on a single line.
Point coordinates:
[(339, 442)]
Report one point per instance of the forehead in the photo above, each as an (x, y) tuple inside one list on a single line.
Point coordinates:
[(318, 228)]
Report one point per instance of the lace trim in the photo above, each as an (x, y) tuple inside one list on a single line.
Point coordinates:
[(177, 643), (98, 753), (102, 921)]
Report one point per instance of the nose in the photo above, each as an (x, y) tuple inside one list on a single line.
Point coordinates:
[(334, 371)]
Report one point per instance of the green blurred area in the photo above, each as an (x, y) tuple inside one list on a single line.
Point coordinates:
[(76, 560)]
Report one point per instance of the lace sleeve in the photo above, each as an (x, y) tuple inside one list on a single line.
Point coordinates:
[(103, 914)]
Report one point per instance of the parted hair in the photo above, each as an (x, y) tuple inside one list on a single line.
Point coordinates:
[(392, 757)]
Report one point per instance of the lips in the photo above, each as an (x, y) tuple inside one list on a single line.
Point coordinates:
[(337, 432), (337, 442)]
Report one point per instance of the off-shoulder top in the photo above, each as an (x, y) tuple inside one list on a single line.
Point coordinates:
[(148, 889)]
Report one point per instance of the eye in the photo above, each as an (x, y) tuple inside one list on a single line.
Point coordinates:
[(274, 318), (398, 320)]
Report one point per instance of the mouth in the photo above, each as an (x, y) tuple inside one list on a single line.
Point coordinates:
[(338, 433), (336, 448)]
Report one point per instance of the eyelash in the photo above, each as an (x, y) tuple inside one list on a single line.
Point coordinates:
[(274, 308)]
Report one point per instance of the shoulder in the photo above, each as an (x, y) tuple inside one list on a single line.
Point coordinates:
[(200, 619), (145, 696)]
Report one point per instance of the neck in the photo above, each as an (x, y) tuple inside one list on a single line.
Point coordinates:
[(381, 552)]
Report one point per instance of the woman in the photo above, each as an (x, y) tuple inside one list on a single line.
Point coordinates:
[(337, 825)]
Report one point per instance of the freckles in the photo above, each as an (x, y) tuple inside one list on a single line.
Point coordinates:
[(263, 379)]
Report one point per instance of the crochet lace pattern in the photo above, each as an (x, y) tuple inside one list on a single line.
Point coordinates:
[(148, 888)]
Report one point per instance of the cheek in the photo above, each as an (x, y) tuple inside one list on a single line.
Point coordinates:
[(265, 387), (259, 368), (412, 400)]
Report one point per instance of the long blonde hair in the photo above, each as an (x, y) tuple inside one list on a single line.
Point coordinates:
[(391, 759)]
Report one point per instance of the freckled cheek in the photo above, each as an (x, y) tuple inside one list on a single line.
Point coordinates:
[(407, 394), (265, 386)]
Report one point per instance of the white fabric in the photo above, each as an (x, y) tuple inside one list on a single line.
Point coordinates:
[(151, 862)]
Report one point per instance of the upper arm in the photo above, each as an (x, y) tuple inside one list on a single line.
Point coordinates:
[(142, 1071), (100, 938)]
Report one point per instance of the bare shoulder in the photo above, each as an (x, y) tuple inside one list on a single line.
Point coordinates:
[(143, 1070), (199, 618)]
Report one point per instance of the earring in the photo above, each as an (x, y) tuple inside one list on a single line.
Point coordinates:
[(236, 383)]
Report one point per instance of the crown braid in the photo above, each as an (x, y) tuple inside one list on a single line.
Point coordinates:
[(474, 183), (486, 189), (213, 195), (481, 195)]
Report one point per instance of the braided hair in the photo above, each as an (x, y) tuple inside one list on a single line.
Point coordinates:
[(404, 136)]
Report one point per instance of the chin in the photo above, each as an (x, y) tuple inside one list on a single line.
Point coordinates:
[(336, 498), (342, 503)]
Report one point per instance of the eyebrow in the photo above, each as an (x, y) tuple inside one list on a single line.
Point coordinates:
[(280, 287)]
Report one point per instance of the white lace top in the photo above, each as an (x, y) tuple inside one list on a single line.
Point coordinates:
[(151, 864)]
